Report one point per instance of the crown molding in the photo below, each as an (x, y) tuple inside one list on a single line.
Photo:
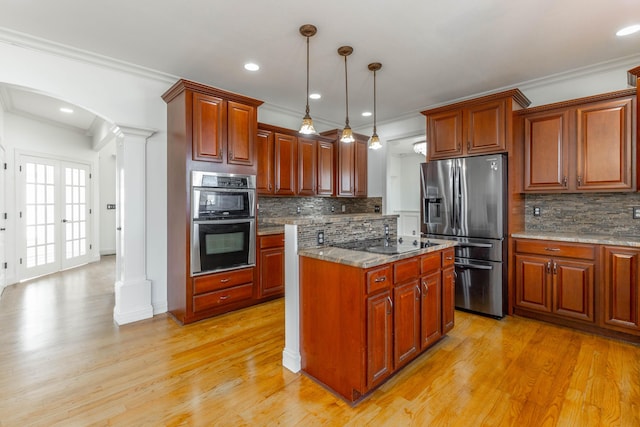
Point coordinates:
[(42, 45)]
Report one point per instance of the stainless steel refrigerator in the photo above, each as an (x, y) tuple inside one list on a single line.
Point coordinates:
[(464, 199)]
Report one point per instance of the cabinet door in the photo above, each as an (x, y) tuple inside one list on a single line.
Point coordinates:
[(532, 282), (325, 178), (346, 158), (486, 128), (264, 158), (431, 316), (285, 159), (573, 289), (448, 299), (406, 322), (621, 289), (379, 337), (241, 133), (307, 167), (604, 135), (209, 127), (445, 134), (546, 151), (360, 168), (271, 272)]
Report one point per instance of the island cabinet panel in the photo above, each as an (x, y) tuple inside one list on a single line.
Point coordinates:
[(585, 144), (359, 326), (620, 304), (379, 337)]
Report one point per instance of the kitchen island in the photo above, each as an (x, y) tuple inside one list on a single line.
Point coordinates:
[(364, 316)]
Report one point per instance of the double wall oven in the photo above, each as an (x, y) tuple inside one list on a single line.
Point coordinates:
[(223, 222)]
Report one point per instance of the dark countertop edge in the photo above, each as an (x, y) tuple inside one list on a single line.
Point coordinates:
[(365, 259), (595, 239)]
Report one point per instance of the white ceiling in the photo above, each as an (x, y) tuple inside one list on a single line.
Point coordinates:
[(431, 51)]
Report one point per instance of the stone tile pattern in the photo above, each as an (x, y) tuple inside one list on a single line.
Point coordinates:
[(346, 231), (592, 213), (286, 206)]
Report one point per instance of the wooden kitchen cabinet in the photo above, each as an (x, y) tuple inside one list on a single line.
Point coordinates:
[(431, 309), (223, 127), (292, 165), (580, 145), (556, 278), (448, 290), (620, 304), (351, 165), (474, 127), (406, 310), (271, 266), (211, 130), (379, 337)]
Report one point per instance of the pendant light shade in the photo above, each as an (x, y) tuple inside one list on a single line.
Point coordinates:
[(374, 141), (347, 133), (307, 128)]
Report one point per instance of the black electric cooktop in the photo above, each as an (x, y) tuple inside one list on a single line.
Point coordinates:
[(383, 246)]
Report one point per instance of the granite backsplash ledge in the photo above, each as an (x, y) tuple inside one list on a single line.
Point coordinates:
[(275, 207), (583, 213)]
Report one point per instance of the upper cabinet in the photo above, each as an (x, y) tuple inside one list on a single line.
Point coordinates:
[(293, 165), (351, 165), (478, 126), (585, 144), (214, 126)]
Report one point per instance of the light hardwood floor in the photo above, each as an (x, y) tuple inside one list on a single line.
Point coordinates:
[(64, 362)]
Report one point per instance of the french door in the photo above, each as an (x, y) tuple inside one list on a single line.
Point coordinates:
[(54, 214)]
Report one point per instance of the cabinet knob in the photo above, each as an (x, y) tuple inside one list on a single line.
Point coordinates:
[(555, 268), (468, 145), (224, 280), (380, 279), (564, 181), (579, 181), (549, 267)]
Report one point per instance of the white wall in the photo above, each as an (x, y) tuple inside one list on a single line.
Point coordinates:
[(123, 95), (27, 136), (107, 195)]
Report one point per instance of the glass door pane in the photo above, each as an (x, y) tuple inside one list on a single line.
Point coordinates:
[(76, 212)]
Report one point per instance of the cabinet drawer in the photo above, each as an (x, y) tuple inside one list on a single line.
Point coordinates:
[(378, 279), (222, 297), (406, 270), (556, 249), (430, 263), (222, 280), (272, 241), (448, 257)]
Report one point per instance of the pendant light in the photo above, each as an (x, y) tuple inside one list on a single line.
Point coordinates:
[(374, 141), (307, 128), (347, 133)]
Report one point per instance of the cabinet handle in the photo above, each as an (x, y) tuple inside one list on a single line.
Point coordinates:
[(555, 268), (380, 279), (579, 181), (448, 258), (564, 181), (552, 249), (549, 267), (419, 292), (224, 280), (390, 305), (223, 297), (459, 146), (468, 145), (425, 285)]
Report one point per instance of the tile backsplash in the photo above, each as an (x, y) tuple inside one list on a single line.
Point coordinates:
[(270, 207), (588, 213)]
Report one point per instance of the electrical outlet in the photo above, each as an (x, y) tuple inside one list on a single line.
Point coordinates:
[(298, 210), (536, 211), (344, 208), (321, 237), (636, 212), (333, 209)]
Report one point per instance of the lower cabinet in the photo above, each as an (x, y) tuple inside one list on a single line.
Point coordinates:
[(271, 265), (352, 347), (556, 278), (591, 287), (620, 304)]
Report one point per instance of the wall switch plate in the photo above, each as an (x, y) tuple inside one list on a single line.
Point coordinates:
[(321, 237), (636, 212), (333, 208), (376, 209), (109, 206), (536, 211), (344, 208), (298, 210)]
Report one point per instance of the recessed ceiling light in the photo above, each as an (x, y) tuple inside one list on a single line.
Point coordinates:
[(250, 66), (366, 114), (66, 110), (628, 30), (315, 96)]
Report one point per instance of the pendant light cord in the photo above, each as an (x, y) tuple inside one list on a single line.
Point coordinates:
[(374, 102), (346, 89), (307, 109)]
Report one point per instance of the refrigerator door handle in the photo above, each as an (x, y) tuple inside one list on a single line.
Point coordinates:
[(474, 245), (473, 266)]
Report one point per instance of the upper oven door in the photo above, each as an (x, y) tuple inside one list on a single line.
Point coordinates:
[(218, 203)]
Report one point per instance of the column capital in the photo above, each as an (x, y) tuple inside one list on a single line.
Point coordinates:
[(123, 130)]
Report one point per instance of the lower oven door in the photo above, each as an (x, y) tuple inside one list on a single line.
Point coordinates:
[(222, 245), (479, 286)]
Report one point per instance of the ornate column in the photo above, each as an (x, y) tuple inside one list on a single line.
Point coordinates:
[(132, 289)]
